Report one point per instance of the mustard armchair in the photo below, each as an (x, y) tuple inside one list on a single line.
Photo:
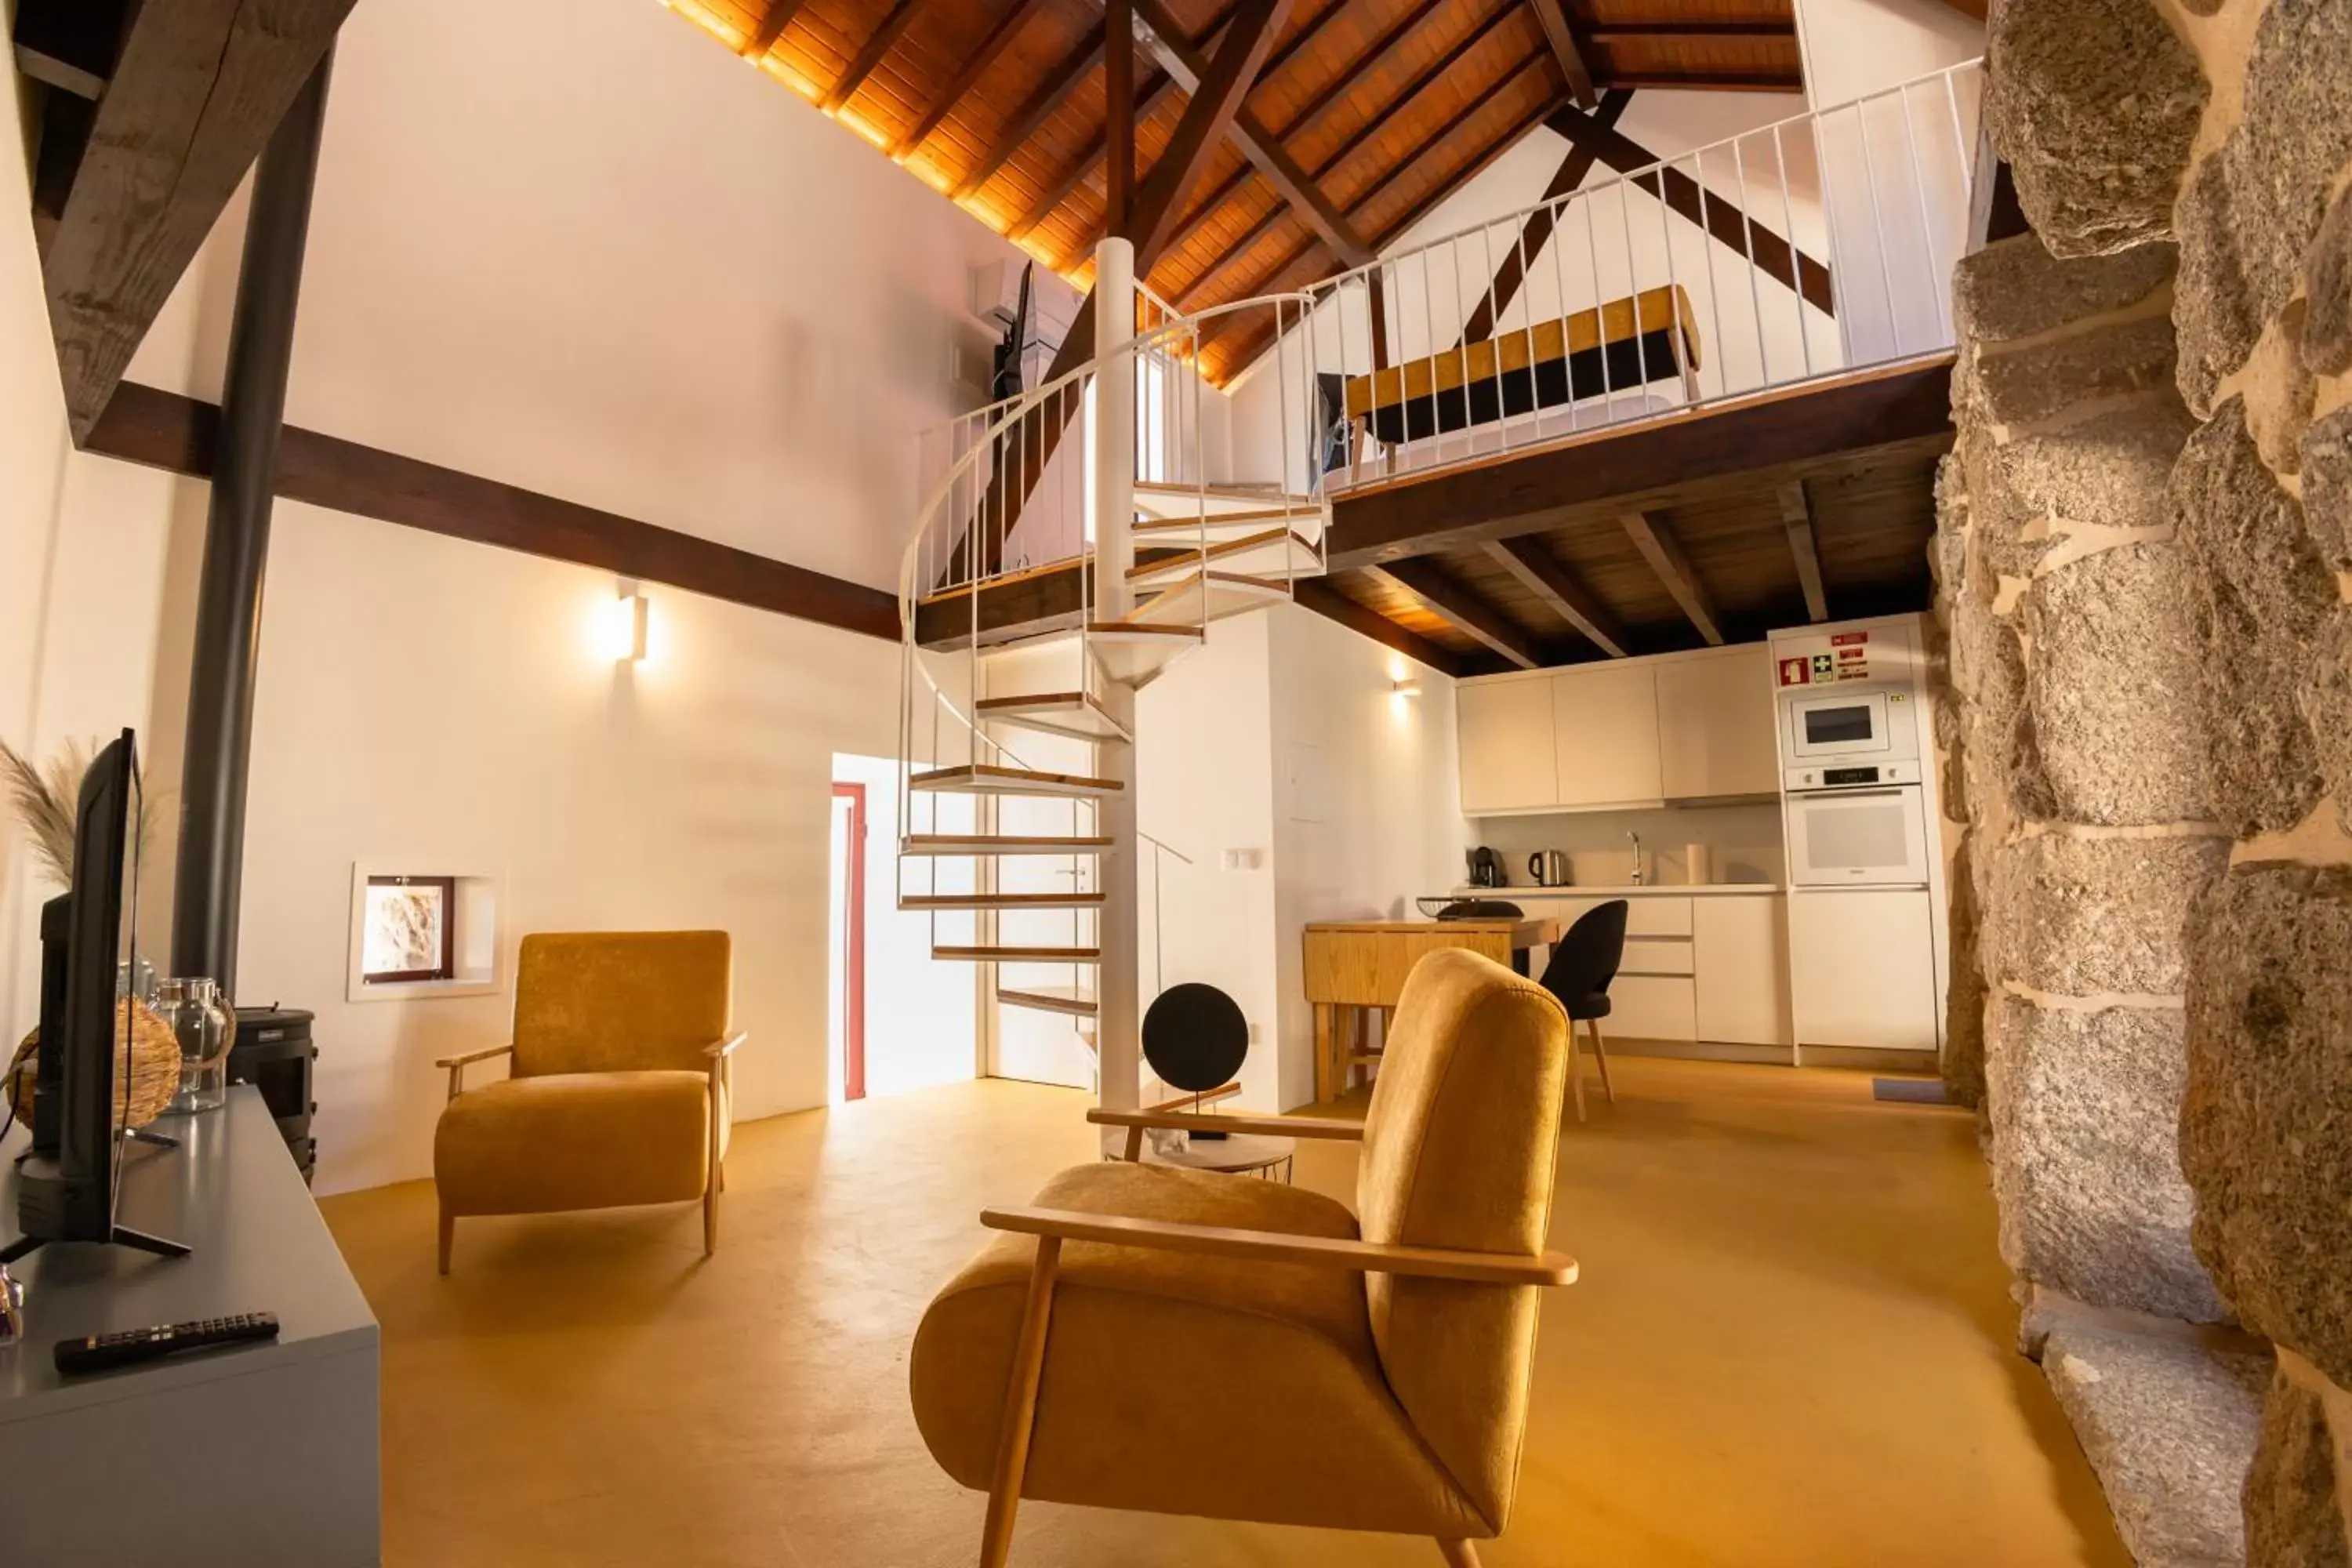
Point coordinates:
[(620, 1088), (1379, 1365)]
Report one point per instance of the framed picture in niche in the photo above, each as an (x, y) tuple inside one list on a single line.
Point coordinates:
[(410, 931)]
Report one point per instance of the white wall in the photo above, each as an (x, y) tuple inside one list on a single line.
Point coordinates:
[(575, 245), (1852, 48), (1204, 785), (1367, 799), (434, 703)]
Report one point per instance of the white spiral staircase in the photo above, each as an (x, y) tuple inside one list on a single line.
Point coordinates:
[(1017, 719)]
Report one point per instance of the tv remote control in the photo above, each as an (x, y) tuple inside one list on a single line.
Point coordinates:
[(98, 1352)]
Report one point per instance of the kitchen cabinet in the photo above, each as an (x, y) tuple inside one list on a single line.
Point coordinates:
[(1716, 733), (1505, 737), (1863, 968), (1605, 735), (1740, 950), (1651, 1007)]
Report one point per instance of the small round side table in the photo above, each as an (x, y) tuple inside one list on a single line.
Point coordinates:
[(1238, 1153)]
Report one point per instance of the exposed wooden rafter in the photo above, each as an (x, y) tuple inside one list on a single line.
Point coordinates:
[(1797, 516), (975, 65), (1118, 115), (1377, 54), (1703, 29), (197, 88), (1464, 609), (1218, 87), (1281, 170), (1542, 574), (1650, 537), (772, 23), (869, 53), (1339, 156), (1719, 217), (1049, 96), (1561, 37), (1537, 231), (1317, 594)]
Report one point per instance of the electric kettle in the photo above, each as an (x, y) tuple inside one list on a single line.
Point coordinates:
[(1548, 868)]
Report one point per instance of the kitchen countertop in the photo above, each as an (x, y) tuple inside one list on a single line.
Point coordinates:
[(1588, 890)]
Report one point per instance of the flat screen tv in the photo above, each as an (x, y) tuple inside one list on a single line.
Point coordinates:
[(67, 1182)]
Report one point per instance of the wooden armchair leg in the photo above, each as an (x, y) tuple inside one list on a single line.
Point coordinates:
[(1459, 1553), (448, 1237), (1020, 1406), (1601, 1055)]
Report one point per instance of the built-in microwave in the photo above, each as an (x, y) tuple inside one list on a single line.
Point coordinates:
[(1855, 723), (1858, 838)]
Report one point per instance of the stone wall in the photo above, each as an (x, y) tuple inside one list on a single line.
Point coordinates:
[(2145, 570)]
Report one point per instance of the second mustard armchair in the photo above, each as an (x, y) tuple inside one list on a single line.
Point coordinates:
[(1180, 1343), (620, 1089)]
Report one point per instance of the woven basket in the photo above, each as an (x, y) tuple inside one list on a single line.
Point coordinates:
[(154, 1070)]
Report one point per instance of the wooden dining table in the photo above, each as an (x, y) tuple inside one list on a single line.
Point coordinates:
[(1356, 968)]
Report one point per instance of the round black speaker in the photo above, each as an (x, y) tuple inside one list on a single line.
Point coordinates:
[(1194, 1036)]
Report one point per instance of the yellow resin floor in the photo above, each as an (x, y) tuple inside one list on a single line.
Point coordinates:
[(1793, 1344)]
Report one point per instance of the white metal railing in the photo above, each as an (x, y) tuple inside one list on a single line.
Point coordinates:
[(1814, 247)]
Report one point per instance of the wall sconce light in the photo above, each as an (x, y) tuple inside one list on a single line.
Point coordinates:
[(620, 628), (1404, 688)]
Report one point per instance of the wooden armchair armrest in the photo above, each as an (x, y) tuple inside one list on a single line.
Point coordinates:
[(1273, 1126), (1275, 1247), (722, 1049), (457, 1065)]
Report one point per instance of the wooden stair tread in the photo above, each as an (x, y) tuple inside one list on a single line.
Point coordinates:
[(1272, 538), (977, 775), (1067, 999), (999, 901), (1022, 955)]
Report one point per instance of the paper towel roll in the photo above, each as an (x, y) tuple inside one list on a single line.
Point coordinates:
[(1697, 869)]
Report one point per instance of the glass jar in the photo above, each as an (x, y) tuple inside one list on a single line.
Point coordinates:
[(200, 1020)]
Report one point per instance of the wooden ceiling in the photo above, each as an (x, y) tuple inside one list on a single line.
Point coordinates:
[(1371, 111)]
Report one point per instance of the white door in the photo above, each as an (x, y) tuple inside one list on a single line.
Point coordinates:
[(1862, 968)]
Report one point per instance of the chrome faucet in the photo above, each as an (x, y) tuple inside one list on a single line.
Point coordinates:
[(1637, 857)]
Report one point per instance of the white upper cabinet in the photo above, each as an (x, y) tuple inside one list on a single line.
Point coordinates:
[(1507, 751), (1605, 735), (1715, 724)]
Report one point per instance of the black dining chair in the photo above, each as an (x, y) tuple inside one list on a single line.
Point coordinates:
[(1581, 967), (1481, 910)]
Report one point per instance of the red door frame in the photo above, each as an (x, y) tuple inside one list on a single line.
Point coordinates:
[(852, 978)]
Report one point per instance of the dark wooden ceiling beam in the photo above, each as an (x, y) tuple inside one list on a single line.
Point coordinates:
[(1118, 116), (1285, 274), (1050, 95), (1554, 485), (1371, 128), (1542, 574), (164, 430), (1218, 87), (1656, 542), (1560, 38), (772, 23), (1464, 609), (999, 38), (1281, 170), (1317, 594), (1797, 517), (1717, 216), (197, 87), (1710, 82), (869, 54), (1536, 232), (1375, 55)]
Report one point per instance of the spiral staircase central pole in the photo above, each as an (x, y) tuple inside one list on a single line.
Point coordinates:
[(1118, 1032)]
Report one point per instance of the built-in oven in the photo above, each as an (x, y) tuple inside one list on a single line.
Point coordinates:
[(1856, 826)]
